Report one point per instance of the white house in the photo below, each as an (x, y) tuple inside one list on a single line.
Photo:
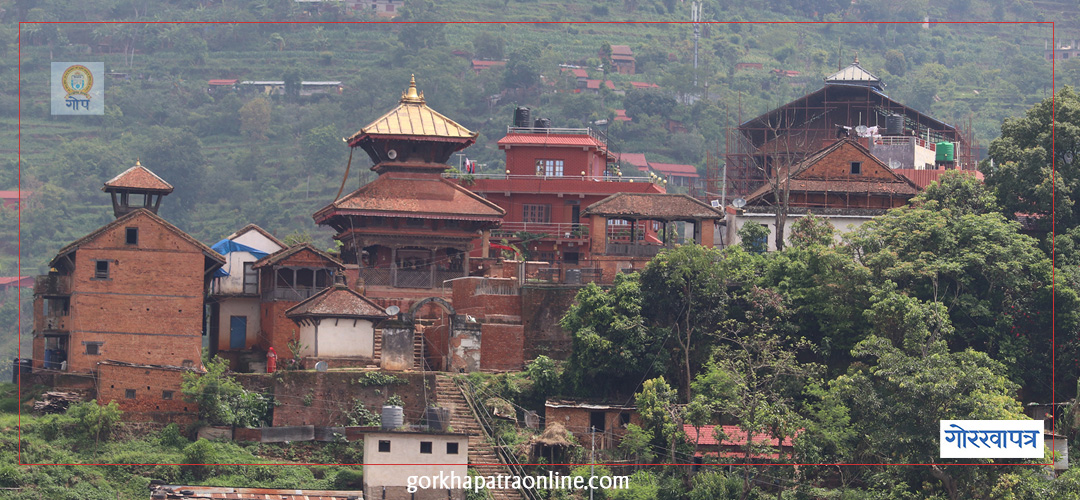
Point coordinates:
[(337, 323), (427, 454), (234, 292)]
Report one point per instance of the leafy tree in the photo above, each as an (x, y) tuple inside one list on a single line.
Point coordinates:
[(754, 237), (641, 102), (521, 70), (612, 346), (895, 62), (992, 280), (489, 46), (222, 400), (684, 291), (293, 79), (95, 421), (660, 415), (324, 149), (1027, 177), (255, 119), (915, 382), (812, 230), (959, 192), (176, 156)]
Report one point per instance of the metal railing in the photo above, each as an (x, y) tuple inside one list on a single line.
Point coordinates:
[(632, 250), (551, 229), (297, 293), (407, 278), (595, 134), (502, 450)]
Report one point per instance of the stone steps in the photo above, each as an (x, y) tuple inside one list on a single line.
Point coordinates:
[(482, 456)]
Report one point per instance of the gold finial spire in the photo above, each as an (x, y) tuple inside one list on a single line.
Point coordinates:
[(137, 164), (411, 95), (856, 58)]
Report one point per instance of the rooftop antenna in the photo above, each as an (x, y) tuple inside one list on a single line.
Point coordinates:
[(839, 54)]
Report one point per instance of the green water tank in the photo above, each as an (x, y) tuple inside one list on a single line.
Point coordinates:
[(945, 151)]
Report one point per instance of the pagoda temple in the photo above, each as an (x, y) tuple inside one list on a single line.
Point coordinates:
[(410, 227)]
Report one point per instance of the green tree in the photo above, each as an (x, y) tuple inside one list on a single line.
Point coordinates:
[(222, 400), (684, 291), (754, 237), (959, 192), (660, 415), (521, 69), (1029, 179), (255, 119), (612, 346), (487, 45), (812, 230), (895, 62), (293, 79)]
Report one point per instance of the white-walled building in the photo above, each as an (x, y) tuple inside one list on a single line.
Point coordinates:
[(427, 454), (234, 293), (337, 323)]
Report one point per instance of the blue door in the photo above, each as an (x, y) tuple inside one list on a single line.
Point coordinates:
[(237, 332)]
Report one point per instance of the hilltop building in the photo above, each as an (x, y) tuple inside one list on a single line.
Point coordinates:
[(124, 303)]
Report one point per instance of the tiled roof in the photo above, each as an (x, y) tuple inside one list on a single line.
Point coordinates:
[(735, 436), (223, 82), (620, 116), (662, 206), (140, 212), (621, 50), (898, 184), (549, 140), (635, 159), (337, 301), (138, 177), (397, 194), (595, 84), (25, 281), (643, 85), (412, 117), (285, 253), (13, 195), (675, 169)]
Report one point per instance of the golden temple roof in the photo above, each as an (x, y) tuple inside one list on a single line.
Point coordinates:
[(413, 117)]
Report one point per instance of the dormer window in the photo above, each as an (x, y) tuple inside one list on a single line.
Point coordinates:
[(856, 167)]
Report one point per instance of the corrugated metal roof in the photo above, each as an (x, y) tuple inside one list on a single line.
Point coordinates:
[(172, 492), (923, 178), (853, 73)]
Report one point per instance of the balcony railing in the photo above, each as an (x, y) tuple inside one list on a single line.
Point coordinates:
[(552, 229), (291, 293), (407, 278), (568, 177), (631, 250)]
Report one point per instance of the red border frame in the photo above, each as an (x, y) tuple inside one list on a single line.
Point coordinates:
[(1053, 168)]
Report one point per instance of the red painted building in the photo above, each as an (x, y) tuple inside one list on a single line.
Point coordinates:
[(552, 176)]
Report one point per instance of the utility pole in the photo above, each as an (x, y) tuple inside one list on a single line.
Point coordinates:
[(695, 16)]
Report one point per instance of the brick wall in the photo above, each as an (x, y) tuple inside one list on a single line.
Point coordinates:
[(502, 347), (149, 386), (332, 394), (277, 330), (577, 421), (541, 310), (150, 307)]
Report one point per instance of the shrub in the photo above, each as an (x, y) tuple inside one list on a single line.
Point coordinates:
[(349, 479)]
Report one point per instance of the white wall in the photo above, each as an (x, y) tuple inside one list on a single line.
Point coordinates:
[(345, 337), (234, 262), (842, 223), (405, 449)]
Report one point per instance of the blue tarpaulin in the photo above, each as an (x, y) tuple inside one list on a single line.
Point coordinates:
[(225, 247)]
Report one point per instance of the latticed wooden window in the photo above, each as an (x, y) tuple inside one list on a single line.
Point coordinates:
[(537, 213)]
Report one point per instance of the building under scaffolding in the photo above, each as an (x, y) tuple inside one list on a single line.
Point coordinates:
[(851, 104)]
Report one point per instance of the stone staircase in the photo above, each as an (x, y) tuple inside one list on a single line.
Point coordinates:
[(482, 456)]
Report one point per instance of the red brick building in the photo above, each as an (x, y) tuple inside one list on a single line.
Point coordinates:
[(131, 292), (552, 176), (623, 59)]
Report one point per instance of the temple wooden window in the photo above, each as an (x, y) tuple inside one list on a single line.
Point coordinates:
[(305, 278), (414, 222)]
